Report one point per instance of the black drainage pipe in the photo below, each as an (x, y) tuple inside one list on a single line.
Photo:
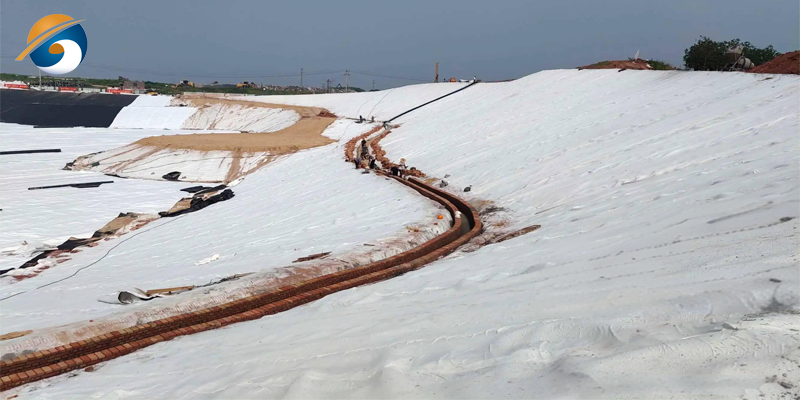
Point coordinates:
[(3, 153), (436, 99)]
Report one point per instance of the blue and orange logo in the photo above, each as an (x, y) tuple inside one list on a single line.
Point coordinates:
[(59, 45)]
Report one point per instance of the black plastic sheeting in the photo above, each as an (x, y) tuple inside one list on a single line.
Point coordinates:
[(203, 189), (54, 109), (5, 153), (81, 185), (194, 189), (198, 203), (172, 176)]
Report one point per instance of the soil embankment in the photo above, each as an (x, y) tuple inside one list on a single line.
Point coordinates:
[(304, 134), (788, 63), (620, 64), (240, 153)]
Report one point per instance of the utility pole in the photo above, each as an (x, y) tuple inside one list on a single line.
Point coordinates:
[(436, 79), (346, 80), (329, 86), (373, 84), (301, 76), (40, 79)]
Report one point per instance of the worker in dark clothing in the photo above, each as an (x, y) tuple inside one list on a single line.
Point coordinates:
[(372, 164), (373, 118), (364, 150), (357, 162), (360, 119)]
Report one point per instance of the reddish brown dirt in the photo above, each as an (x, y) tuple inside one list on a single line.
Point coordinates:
[(380, 155), (637, 64), (311, 257), (350, 147), (517, 233), (377, 151), (788, 63)]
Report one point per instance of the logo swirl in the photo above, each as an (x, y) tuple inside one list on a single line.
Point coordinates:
[(56, 44)]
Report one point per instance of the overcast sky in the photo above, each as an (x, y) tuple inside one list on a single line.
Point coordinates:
[(235, 40)]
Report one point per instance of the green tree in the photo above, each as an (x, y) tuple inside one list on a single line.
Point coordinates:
[(660, 65), (709, 55), (759, 56), (705, 55)]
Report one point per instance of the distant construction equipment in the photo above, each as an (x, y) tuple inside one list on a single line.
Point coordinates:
[(736, 60), (247, 84)]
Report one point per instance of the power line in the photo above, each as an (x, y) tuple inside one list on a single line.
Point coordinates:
[(388, 76)]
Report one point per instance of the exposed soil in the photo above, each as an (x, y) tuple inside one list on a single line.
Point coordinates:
[(202, 100), (285, 141), (516, 233), (350, 146), (14, 335), (304, 134), (621, 65), (380, 155), (312, 257), (788, 63)]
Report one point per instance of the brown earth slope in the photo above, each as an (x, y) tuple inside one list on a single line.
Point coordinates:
[(634, 64), (304, 134), (788, 63)]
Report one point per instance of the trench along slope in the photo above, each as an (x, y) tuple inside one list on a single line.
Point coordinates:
[(388, 245), (51, 362)]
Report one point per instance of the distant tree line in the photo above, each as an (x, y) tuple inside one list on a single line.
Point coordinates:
[(709, 55)]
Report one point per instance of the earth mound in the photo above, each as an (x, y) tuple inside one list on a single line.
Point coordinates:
[(788, 63), (621, 64)]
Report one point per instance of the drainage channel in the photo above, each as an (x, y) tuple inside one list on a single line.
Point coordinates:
[(52, 362)]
